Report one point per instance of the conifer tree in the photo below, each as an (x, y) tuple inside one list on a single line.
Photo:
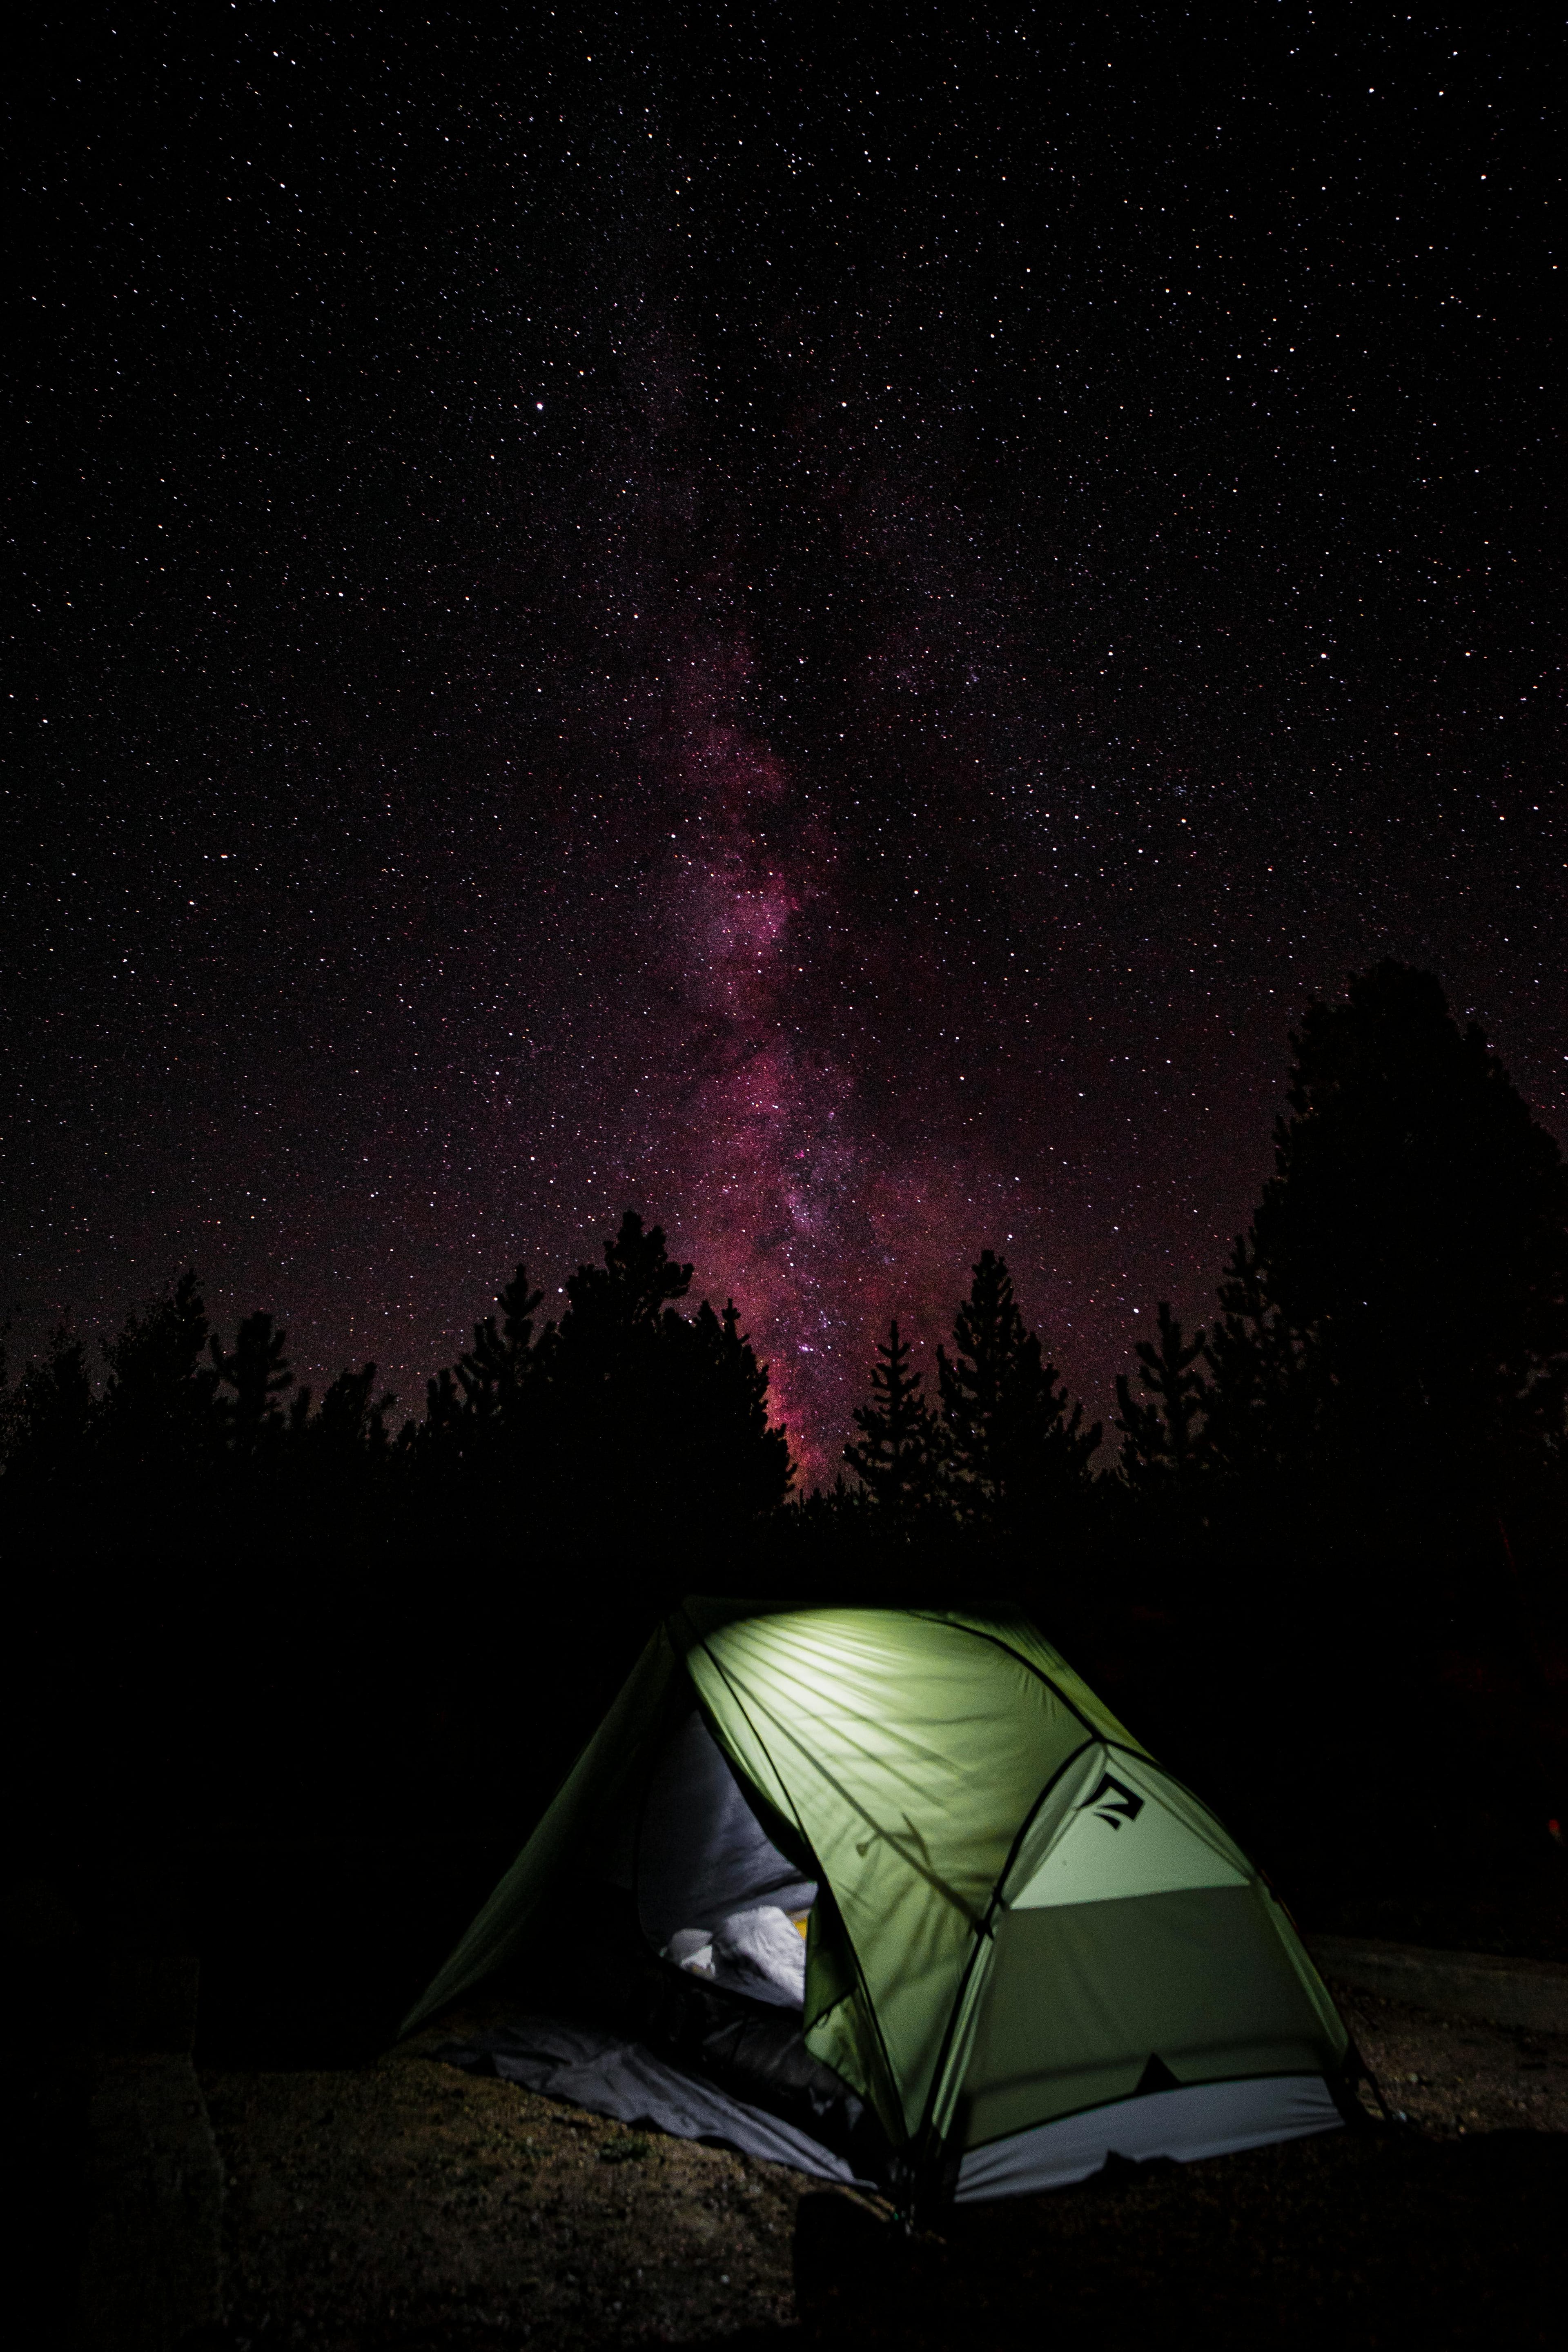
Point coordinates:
[(638, 1410), (897, 1455), (494, 1374), (435, 1452), (1264, 1394), (743, 1469), (1016, 1446), (349, 1429), (159, 1415), (47, 1427), (258, 1372), (1400, 1307), (1162, 1430), (626, 1298)]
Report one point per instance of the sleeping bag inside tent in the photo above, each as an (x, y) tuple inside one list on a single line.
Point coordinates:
[(898, 1880)]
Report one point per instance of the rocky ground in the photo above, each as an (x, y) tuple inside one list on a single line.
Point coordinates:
[(407, 2204)]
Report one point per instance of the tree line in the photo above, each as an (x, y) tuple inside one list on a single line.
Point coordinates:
[(623, 1406), (1389, 1356), (1389, 1350)]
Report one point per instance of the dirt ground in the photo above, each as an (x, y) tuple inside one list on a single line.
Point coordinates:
[(408, 2204)]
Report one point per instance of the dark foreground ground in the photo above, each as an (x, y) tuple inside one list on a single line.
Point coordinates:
[(405, 2204)]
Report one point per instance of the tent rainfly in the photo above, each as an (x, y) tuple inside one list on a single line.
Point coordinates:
[(1028, 1946)]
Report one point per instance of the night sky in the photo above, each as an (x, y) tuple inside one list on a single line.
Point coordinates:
[(821, 631)]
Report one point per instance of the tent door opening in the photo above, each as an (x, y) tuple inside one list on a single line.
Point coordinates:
[(714, 1895)]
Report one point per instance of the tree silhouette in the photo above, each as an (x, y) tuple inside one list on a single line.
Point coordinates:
[(1400, 1307), (1264, 1394), (897, 1455), (442, 1434), (46, 1423), (494, 1374), (158, 1418), (743, 1468), (348, 1427), (258, 1372), (641, 1413), (608, 1362), (1162, 1430), (1017, 1448), (627, 1300), (482, 1416)]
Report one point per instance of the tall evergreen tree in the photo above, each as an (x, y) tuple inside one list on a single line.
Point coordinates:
[(494, 1374), (1264, 1394), (1400, 1307), (1162, 1430), (47, 1423), (897, 1455), (159, 1416), (614, 1307), (348, 1430), (644, 1413), (257, 1374), (742, 1469), (1017, 1447)]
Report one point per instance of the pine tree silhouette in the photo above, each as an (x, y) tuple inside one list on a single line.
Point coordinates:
[(48, 1427), (629, 1411), (1265, 1393), (897, 1455), (630, 1296), (1162, 1431), (494, 1374), (258, 1372), (159, 1415), (742, 1469), (1400, 1307), (1017, 1447), (443, 1412), (349, 1429)]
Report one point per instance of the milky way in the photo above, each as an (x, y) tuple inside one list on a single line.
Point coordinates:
[(823, 638), (787, 1195)]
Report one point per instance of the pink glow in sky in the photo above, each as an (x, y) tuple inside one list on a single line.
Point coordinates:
[(790, 1202)]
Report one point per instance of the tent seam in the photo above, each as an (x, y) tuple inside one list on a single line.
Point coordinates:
[(982, 1927)]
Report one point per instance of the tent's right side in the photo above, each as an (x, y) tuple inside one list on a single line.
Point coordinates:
[(1140, 1993)]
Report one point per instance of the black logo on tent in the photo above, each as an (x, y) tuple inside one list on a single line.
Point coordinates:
[(1114, 1801), (1156, 2077)]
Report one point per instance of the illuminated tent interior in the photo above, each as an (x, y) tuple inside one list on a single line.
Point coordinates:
[(1025, 1947)]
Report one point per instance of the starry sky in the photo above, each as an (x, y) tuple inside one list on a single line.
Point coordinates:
[(822, 629)]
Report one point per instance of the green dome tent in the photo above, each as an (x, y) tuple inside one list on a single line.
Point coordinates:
[(1028, 1946)]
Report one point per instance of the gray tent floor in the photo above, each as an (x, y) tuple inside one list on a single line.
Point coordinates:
[(611, 2076)]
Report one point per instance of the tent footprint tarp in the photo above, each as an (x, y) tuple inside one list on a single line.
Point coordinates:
[(1031, 1948)]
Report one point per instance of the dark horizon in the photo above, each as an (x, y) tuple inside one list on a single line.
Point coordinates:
[(815, 1462)]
